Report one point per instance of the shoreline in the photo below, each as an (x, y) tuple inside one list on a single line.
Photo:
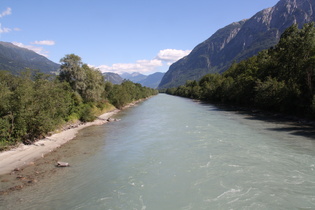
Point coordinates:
[(26, 165), (24, 155)]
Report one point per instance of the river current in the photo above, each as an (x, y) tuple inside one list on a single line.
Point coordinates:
[(171, 153)]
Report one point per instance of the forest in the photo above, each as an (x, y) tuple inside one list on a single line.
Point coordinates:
[(32, 104), (280, 79)]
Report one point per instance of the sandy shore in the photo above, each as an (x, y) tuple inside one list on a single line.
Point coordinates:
[(24, 155)]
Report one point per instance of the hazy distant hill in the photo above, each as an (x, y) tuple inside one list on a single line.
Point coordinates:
[(15, 59), (239, 40), (134, 77), (113, 78), (152, 80)]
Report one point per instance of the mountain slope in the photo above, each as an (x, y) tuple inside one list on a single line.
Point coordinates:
[(133, 77), (200, 61), (15, 59), (239, 41), (113, 78), (152, 80)]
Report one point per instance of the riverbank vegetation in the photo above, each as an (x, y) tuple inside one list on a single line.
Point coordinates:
[(280, 79), (33, 104)]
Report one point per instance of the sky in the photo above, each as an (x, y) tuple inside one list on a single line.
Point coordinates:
[(119, 35)]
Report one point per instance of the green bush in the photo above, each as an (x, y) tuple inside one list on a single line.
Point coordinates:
[(87, 114)]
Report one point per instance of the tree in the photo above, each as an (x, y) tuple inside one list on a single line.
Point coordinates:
[(271, 94), (94, 84), (5, 114), (72, 72), (119, 96), (86, 81), (210, 84)]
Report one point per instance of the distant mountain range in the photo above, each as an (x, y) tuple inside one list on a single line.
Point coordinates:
[(134, 77), (152, 80), (239, 40), (15, 59)]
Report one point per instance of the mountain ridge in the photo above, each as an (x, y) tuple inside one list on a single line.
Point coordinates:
[(16, 59), (152, 81), (238, 41)]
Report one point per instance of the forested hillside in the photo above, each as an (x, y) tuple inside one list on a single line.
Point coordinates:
[(280, 79), (32, 103)]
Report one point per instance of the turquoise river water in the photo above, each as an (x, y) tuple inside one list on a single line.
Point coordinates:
[(171, 153)]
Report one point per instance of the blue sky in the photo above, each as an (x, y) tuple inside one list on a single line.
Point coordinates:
[(119, 35)]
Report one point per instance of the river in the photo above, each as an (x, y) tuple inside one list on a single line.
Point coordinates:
[(174, 153)]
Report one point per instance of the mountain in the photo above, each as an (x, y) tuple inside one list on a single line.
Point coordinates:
[(238, 41), (113, 78), (133, 77), (152, 80), (15, 59)]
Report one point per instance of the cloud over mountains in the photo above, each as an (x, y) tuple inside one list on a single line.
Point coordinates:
[(164, 58), (44, 42), (37, 49), (171, 55)]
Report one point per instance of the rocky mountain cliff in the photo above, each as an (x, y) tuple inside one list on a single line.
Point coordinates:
[(238, 41), (15, 59)]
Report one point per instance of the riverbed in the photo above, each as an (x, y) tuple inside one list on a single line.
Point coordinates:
[(174, 153)]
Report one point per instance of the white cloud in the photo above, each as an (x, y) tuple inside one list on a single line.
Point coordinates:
[(141, 66), (38, 50), (44, 42), (4, 30), (7, 30), (171, 55), (163, 59), (8, 11)]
